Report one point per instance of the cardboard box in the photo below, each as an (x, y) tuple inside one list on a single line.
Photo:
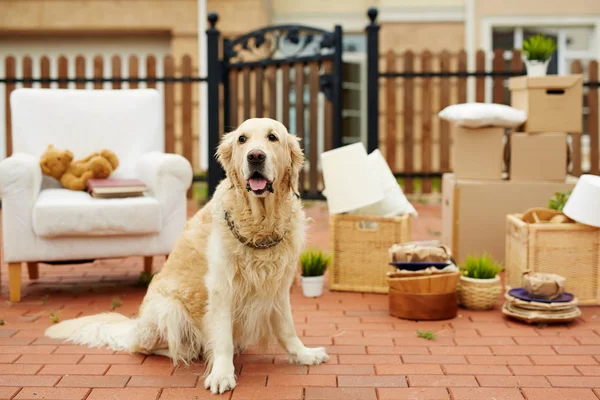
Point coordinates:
[(474, 211), (553, 103), (538, 156), (477, 152)]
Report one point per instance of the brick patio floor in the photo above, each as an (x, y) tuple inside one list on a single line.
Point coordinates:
[(478, 355)]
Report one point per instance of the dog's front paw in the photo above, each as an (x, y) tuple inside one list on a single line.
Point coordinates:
[(219, 382), (310, 356)]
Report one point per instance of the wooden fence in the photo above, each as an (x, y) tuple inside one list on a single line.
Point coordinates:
[(416, 142), (180, 98)]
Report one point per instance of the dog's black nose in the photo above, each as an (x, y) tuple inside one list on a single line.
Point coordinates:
[(256, 156)]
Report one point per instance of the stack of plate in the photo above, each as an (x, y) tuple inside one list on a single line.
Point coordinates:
[(522, 306)]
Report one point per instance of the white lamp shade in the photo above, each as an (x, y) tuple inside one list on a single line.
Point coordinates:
[(349, 184), (583, 204)]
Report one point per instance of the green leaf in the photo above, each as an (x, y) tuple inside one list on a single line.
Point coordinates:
[(539, 48), (314, 262), (483, 267)]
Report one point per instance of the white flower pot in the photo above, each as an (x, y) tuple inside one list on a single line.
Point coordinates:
[(537, 68), (312, 286)]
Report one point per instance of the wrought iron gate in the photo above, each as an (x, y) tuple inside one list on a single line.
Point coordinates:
[(278, 72)]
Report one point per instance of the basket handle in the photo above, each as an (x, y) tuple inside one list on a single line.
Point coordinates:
[(367, 226)]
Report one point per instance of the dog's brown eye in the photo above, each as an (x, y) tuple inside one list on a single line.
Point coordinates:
[(242, 139), (272, 137)]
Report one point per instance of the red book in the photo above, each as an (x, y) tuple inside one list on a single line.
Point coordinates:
[(115, 187)]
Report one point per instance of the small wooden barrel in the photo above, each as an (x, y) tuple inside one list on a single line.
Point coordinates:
[(432, 283), (422, 306)]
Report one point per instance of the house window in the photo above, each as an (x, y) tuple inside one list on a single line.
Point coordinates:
[(573, 43), (353, 94)]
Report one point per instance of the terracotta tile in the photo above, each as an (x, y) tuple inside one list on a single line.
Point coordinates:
[(11, 341), (283, 393), (112, 359), (588, 370), (75, 369), (8, 358), (49, 359), (413, 394), (512, 381), (409, 369), (362, 341), (507, 332), (123, 393), (485, 341), (587, 339), (28, 380), (499, 360), (372, 381), (485, 393), (461, 369), (325, 369), (547, 340), (540, 370), (19, 369), (271, 369), (564, 360), (578, 350), (410, 359), (34, 393), (163, 381), (254, 359), (340, 394), (441, 381), (93, 381), (575, 381), (556, 393), (415, 341), (191, 394), (302, 380), (7, 393), (346, 349), (461, 350), (370, 359), (26, 349), (247, 381), (520, 350), (144, 369), (397, 350), (82, 350)]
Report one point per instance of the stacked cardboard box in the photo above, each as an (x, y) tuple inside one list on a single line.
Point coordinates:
[(480, 193)]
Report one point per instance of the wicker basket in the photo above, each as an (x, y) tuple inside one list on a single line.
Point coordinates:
[(360, 247), (571, 250), (478, 294)]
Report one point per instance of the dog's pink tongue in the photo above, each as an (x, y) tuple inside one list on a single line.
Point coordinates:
[(257, 183)]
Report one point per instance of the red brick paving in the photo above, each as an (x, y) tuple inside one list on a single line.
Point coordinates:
[(478, 355)]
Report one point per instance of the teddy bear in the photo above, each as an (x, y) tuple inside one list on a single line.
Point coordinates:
[(74, 175)]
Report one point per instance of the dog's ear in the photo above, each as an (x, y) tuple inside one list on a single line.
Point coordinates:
[(225, 150), (297, 161)]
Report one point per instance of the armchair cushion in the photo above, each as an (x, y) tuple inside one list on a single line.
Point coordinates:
[(63, 213)]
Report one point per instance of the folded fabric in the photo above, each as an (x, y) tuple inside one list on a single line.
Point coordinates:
[(422, 272), (417, 253), (478, 115)]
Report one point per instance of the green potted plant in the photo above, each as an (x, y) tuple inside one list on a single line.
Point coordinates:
[(479, 285), (537, 51), (313, 263)]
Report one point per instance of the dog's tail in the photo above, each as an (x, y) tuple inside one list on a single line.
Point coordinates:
[(107, 329)]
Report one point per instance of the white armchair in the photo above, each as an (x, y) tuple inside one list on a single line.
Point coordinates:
[(43, 222)]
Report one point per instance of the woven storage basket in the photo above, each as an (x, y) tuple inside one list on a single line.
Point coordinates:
[(478, 294), (571, 250), (360, 247)]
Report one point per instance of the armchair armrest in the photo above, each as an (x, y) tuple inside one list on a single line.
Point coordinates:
[(164, 173), (20, 178)]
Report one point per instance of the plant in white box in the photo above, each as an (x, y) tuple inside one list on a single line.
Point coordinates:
[(314, 263), (479, 285), (537, 51)]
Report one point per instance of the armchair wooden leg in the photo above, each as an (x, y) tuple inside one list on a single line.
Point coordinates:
[(14, 281), (34, 270), (148, 265)]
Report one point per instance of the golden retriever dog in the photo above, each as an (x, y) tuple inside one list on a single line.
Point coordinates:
[(226, 283)]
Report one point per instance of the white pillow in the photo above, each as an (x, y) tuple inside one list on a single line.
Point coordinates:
[(477, 115)]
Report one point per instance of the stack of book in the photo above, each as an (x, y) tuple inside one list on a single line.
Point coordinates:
[(116, 188)]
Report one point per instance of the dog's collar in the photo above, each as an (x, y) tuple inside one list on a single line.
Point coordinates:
[(257, 246)]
